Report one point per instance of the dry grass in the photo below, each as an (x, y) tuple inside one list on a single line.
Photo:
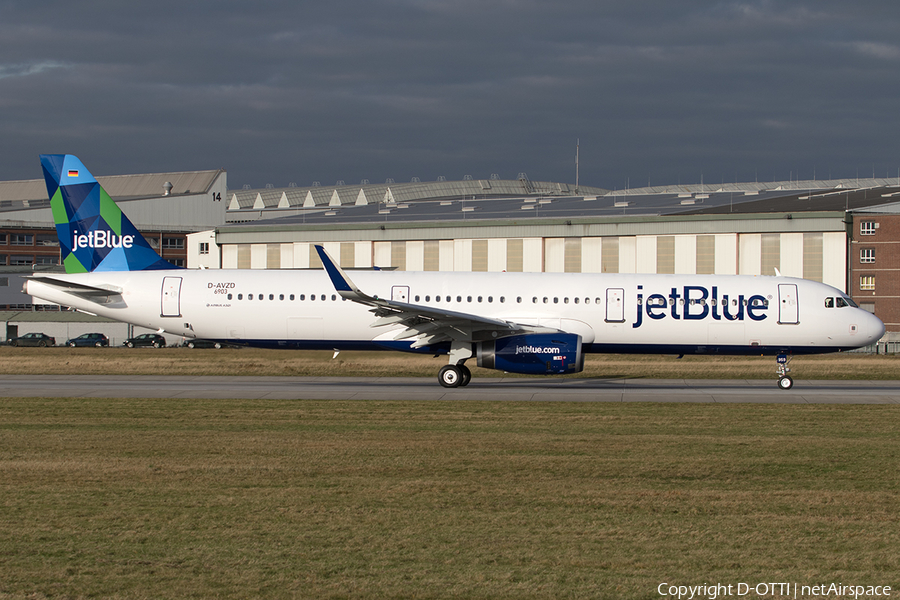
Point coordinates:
[(182, 361), (120, 498)]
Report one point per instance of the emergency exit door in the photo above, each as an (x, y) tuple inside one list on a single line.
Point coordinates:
[(615, 305)]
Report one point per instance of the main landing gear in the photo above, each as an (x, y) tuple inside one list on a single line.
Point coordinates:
[(456, 374), (452, 376), (784, 380)]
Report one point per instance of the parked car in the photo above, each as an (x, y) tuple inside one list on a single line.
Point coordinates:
[(33, 339), (88, 339), (146, 339), (204, 344)]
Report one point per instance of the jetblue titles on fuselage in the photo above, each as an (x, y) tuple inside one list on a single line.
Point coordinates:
[(695, 303)]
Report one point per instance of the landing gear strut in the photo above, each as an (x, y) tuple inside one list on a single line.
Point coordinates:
[(784, 380)]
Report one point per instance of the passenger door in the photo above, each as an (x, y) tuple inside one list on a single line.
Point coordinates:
[(788, 311), (171, 297)]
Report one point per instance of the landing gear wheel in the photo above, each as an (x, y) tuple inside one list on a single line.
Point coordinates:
[(785, 383), (450, 376), (466, 375)]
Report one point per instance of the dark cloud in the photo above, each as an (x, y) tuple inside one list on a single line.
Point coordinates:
[(283, 91)]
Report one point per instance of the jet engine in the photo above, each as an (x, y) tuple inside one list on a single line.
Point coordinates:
[(533, 354)]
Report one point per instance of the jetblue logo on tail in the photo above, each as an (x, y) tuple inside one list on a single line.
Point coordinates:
[(93, 233), (101, 239)]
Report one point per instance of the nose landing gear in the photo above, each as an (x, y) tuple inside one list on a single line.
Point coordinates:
[(784, 380)]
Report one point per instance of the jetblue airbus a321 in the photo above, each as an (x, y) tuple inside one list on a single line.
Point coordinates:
[(532, 323)]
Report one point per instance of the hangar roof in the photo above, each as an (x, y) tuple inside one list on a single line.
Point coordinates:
[(32, 193), (750, 198)]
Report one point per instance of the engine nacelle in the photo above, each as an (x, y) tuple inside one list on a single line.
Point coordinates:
[(533, 354)]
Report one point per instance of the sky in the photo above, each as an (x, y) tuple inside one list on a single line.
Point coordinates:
[(297, 91)]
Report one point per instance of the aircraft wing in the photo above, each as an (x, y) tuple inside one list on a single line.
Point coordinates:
[(428, 324)]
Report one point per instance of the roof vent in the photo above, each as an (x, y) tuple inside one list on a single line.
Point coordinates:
[(167, 188)]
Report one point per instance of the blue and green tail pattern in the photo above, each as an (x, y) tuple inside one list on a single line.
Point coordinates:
[(93, 233)]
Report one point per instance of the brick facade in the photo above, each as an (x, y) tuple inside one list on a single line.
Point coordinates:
[(874, 265)]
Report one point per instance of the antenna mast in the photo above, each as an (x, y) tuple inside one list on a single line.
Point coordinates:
[(577, 144)]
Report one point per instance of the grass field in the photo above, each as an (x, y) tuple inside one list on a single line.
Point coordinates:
[(121, 498), (182, 361)]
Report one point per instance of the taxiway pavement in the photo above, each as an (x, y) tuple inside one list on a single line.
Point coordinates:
[(427, 388)]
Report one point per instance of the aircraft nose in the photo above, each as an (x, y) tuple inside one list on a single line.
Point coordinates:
[(874, 327)]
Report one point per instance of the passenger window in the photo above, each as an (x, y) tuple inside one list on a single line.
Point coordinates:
[(323, 297), (229, 296), (546, 299), (417, 298), (437, 298), (249, 296), (281, 296), (469, 298), (596, 300), (829, 302), (333, 297), (479, 298), (427, 298), (576, 300), (519, 299), (534, 300), (490, 298), (271, 296), (262, 297), (448, 298), (240, 296), (302, 297), (292, 297)]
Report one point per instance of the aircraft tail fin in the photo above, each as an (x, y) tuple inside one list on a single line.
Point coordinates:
[(93, 233)]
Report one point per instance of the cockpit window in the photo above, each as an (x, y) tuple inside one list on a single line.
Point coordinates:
[(843, 301), (829, 302)]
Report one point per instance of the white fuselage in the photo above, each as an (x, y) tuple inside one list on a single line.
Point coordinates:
[(612, 312)]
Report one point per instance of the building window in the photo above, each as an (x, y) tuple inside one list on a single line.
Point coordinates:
[(21, 260), (46, 260), (204, 247), (178, 262), (867, 227), (867, 283), (2, 239), (47, 239), (21, 239), (867, 255), (171, 243)]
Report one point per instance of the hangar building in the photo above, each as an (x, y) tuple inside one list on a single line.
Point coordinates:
[(841, 232)]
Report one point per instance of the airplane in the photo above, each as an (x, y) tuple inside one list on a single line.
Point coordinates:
[(525, 323)]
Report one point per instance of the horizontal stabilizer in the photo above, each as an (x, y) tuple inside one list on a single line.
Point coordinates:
[(77, 288)]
